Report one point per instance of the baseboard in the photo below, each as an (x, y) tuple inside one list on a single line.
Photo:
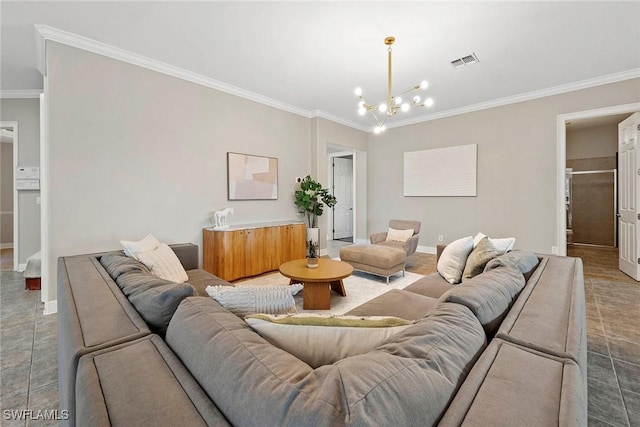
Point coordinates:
[(50, 307), (6, 245), (426, 250), (22, 267)]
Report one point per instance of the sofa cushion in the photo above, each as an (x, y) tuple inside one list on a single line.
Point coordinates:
[(245, 300), (132, 384), (524, 261), (454, 258), (156, 305), (410, 379), (117, 263), (514, 386), (488, 295), (323, 339), (164, 263), (481, 254), (398, 303), (432, 285)]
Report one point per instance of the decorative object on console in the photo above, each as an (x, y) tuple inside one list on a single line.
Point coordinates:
[(319, 339), (221, 220), (251, 177), (393, 103), (245, 300), (310, 200)]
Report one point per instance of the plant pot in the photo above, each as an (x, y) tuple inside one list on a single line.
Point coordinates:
[(312, 262)]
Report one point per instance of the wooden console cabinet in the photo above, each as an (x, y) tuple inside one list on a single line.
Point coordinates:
[(252, 249)]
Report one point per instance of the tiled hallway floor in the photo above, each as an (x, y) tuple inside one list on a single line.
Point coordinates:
[(613, 333), (28, 356), (29, 369)]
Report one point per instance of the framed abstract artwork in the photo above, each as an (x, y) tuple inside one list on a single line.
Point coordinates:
[(251, 177)]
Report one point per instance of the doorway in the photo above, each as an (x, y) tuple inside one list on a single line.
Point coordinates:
[(8, 199), (341, 173)]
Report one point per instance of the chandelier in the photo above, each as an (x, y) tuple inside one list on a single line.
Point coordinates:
[(394, 103)]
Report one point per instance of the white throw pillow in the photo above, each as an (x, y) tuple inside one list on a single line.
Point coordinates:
[(502, 245), (454, 258), (132, 248), (399, 235), (163, 262), (245, 300), (322, 339)]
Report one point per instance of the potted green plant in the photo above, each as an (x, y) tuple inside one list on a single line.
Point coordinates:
[(310, 200)]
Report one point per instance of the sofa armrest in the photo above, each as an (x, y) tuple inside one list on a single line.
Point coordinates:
[(188, 255), (411, 245), (378, 237)]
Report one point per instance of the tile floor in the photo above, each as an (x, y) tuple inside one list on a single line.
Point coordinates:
[(28, 364)]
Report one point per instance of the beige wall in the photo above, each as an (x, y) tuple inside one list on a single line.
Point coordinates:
[(599, 141), (326, 132), (134, 151), (27, 113), (517, 168)]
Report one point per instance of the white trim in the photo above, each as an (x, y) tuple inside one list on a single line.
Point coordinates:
[(584, 84), (70, 39), (6, 245), (561, 153), (34, 93), (44, 203), (331, 117), (426, 250), (50, 307), (16, 206)]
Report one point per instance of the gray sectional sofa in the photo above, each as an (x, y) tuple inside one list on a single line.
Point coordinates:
[(507, 348)]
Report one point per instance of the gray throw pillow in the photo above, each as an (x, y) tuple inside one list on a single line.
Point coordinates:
[(117, 264), (523, 261), (478, 258), (136, 282), (488, 295), (157, 305)]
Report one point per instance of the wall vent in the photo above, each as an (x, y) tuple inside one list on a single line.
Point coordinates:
[(465, 60)]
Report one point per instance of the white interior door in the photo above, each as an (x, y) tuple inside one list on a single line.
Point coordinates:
[(343, 191), (629, 152)]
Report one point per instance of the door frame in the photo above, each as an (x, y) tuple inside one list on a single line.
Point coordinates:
[(330, 157), (561, 155), (16, 207)]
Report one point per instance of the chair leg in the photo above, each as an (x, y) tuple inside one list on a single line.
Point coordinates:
[(387, 280)]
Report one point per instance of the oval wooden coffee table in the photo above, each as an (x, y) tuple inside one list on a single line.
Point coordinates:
[(317, 282)]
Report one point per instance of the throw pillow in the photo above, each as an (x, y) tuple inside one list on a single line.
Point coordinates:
[(156, 305), (502, 245), (117, 264), (132, 248), (489, 296), (163, 262), (454, 258), (245, 300), (399, 235), (319, 339), (478, 258), (521, 260)]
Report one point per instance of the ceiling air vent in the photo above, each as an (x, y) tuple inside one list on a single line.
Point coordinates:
[(465, 60)]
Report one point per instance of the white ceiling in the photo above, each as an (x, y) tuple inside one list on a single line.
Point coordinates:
[(311, 55)]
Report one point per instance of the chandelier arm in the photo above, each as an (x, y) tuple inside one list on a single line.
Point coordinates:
[(390, 96)]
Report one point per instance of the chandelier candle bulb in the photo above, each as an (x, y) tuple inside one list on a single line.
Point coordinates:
[(393, 103)]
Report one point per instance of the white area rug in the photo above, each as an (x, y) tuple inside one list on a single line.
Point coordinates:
[(361, 287)]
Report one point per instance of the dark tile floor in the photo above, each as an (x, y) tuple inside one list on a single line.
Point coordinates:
[(28, 356), (29, 369), (613, 333)]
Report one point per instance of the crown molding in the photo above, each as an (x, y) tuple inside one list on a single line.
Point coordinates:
[(556, 90), (31, 93), (45, 32), (336, 119)]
